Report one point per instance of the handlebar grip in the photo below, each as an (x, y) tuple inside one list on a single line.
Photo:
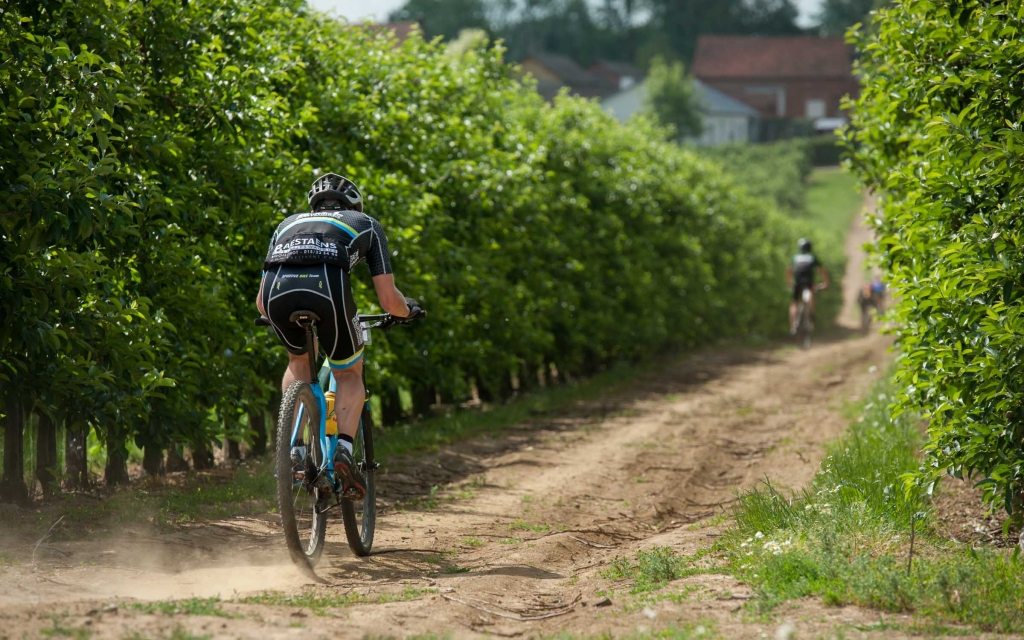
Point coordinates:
[(262, 322)]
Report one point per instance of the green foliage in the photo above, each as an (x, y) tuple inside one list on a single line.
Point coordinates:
[(937, 131), (671, 99), (845, 538), (776, 171), (147, 150)]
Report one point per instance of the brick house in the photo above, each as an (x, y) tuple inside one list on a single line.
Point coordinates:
[(781, 77)]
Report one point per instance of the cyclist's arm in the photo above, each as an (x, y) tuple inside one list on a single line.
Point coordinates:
[(259, 297), (391, 299), (379, 261), (789, 276), (825, 280)]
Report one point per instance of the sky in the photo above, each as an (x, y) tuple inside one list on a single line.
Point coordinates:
[(378, 10)]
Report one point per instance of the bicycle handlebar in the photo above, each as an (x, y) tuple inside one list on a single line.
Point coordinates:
[(382, 321)]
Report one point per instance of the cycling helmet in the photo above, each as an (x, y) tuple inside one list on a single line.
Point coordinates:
[(331, 186), (804, 244)]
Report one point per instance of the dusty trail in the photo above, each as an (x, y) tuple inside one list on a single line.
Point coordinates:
[(522, 527)]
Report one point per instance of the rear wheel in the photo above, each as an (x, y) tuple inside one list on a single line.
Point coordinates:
[(299, 500), (361, 517), (803, 327), (865, 318)]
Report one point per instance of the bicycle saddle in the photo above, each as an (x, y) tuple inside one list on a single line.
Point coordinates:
[(297, 316)]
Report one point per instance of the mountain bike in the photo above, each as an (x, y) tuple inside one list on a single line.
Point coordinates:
[(804, 321), (306, 482)]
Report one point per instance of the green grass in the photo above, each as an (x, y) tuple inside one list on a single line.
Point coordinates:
[(319, 601), (845, 538), (833, 199), (187, 607)]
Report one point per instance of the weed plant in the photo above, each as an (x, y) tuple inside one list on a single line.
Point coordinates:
[(846, 537), (652, 569)]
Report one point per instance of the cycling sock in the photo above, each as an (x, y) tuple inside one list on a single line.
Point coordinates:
[(345, 441)]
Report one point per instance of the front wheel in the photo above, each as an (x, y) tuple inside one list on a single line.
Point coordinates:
[(300, 502), (361, 517)]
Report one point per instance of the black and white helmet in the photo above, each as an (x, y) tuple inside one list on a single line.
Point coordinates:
[(804, 245), (331, 186)]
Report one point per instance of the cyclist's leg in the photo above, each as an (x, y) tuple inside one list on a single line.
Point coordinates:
[(342, 339), (794, 306), (348, 402), (298, 369)]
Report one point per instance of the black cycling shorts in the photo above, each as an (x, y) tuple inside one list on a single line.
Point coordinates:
[(323, 289), (798, 289)]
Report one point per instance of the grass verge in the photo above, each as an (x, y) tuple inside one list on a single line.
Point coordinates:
[(846, 538)]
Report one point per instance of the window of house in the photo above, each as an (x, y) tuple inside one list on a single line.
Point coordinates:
[(815, 108)]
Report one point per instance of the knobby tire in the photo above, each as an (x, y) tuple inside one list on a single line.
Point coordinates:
[(305, 554), (359, 527)]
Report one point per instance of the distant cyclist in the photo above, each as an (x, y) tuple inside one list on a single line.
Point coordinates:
[(800, 276), (307, 268)]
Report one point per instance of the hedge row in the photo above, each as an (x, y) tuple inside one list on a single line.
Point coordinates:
[(147, 151), (937, 132)]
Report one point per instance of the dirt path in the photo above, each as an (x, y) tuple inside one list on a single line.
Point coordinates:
[(523, 526)]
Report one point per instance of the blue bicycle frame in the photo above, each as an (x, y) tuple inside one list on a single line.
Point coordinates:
[(328, 443)]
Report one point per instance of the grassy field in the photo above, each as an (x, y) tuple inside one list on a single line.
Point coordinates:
[(833, 199), (847, 538)]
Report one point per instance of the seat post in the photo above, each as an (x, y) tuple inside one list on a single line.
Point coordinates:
[(311, 352)]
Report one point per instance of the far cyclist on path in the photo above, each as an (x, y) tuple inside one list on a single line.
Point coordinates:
[(800, 276), (307, 268)]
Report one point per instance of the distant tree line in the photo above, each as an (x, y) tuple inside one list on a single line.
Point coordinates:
[(627, 30)]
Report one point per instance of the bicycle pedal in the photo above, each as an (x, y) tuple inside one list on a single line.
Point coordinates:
[(352, 493)]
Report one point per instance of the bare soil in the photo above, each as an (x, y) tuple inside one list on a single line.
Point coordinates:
[(515, 539)]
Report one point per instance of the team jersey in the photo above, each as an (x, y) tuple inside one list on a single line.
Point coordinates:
[(341, 238), (803, 267)]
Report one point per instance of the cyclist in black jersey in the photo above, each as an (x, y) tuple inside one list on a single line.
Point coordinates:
[(800, 276), (307, 268)]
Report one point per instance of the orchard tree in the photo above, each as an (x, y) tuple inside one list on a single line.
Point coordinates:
[(672, 99)]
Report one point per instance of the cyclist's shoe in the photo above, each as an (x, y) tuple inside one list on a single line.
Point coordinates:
[(298, 468), (353, 485)]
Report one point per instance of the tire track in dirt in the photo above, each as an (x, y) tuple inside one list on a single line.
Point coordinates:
[(524, 524)]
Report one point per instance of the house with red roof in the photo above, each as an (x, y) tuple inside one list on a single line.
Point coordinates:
[(780, 77)]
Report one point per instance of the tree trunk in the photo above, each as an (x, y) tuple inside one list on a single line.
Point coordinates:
[(527, 377), (202, 457), (507, 389), (12, 487), (232, 450), (391, 407), (76, 468), (422, 398), (175, 462), (116, 472), (153, 460), (258, 423), (46, 453)]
